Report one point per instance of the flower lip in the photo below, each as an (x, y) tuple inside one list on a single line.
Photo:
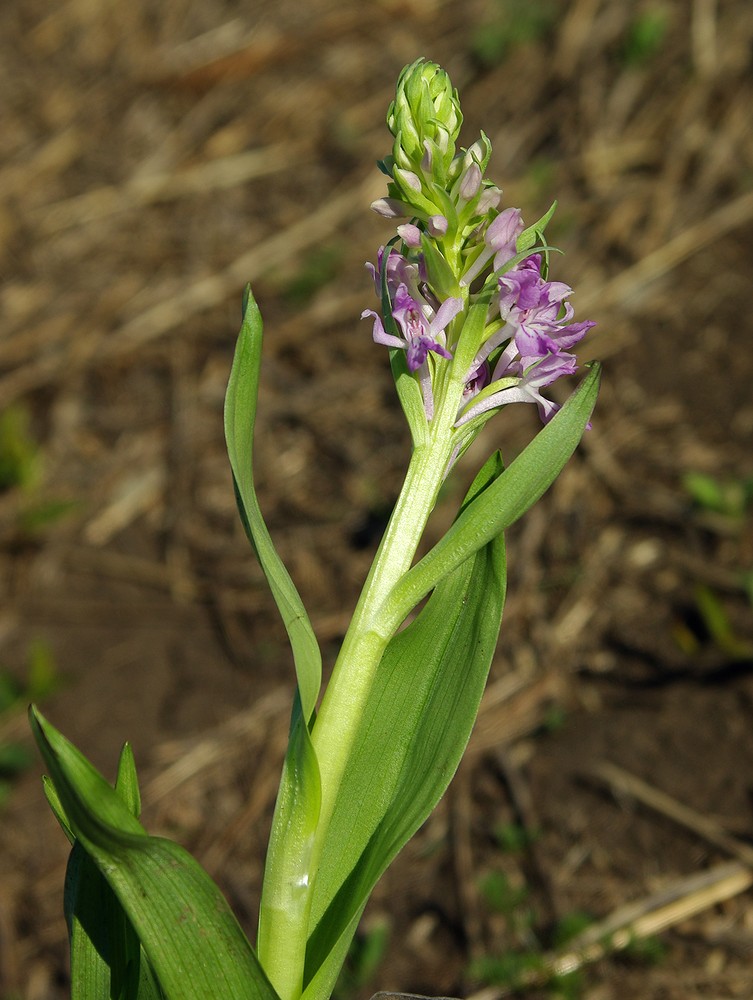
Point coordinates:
[(419, 318), (536, 310), (530, 379), (422, 335)]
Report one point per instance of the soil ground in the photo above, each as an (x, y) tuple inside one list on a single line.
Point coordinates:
[(156, 156)]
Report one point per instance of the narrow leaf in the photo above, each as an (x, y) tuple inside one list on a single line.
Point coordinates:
[(327, 970), (240, 416), (127, 782), (506, 500), (533, 234)]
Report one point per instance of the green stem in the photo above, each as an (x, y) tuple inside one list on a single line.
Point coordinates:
[(367, 637), (284, 921), (283, 936), (371, 629)]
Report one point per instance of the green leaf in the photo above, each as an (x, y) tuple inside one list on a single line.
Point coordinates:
[(442, 278), (533, 234), (409, 394), (325, 976), (53, 800), (285, 901), (127, 782), (106, 957), (472, 333), (413, 733), (506, 500), (240, 416), (191, 939), (89, 908)]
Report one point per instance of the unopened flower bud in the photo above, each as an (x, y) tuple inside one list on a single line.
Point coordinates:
[(436, 225), (490, 198), (406, 178), (471, 182), (390, 208), (410, 235), (426, 107), (428, 158), (478, 151)]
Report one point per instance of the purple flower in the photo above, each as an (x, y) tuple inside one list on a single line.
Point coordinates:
[(534, 378), (479, 378), (399, 271), (534, 338), (527, 383), (537, 313), (520, 288), (422, 329), (418, 315)]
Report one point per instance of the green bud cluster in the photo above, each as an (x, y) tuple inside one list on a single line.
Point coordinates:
[(424, 118), (440, 186)]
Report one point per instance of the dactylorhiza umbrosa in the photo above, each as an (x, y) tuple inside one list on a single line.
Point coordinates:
[(472, 323)]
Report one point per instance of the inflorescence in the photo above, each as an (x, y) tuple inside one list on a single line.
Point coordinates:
[(459, 251)]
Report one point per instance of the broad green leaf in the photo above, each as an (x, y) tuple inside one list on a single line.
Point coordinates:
[(106, 957), (193, 942), (419, 717), (240, 416), (89, 907), (504, 502)]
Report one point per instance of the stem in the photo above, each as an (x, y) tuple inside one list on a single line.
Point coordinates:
[(370, 630), (285, 929), (365, 641), (284, 922)]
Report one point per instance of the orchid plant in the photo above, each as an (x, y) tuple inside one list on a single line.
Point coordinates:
[(473, 324)]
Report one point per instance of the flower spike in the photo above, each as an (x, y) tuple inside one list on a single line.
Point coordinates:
[(465, 291)]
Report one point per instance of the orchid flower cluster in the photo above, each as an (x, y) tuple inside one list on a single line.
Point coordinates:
[(472, 323), (457, 249)]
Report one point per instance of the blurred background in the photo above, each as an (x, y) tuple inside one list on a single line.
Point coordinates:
[(157, 156)]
